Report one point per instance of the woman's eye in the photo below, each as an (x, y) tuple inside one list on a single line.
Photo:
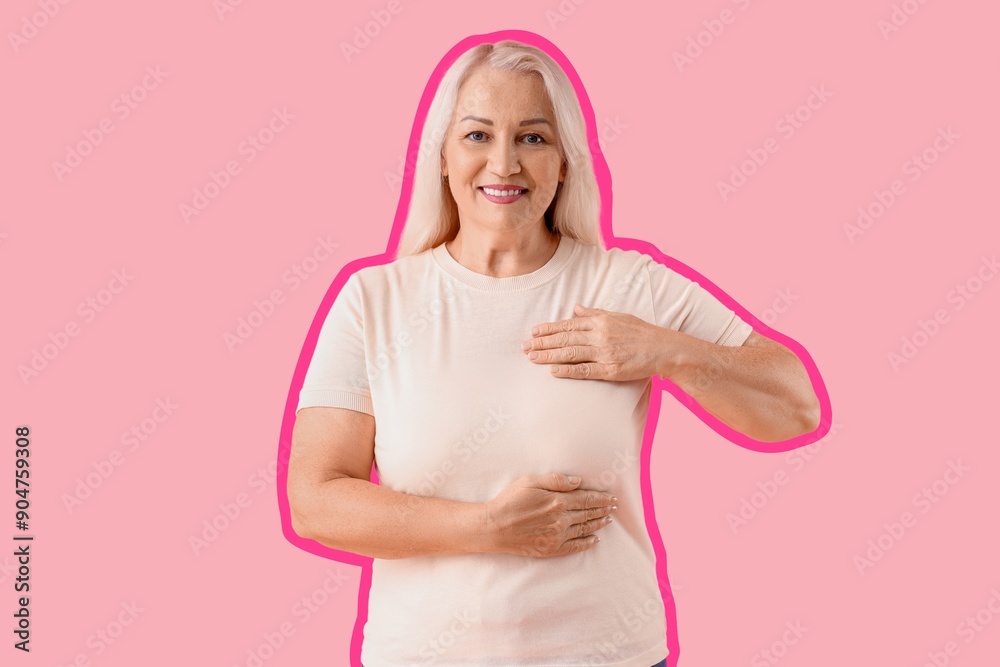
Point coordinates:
[(528, 138)]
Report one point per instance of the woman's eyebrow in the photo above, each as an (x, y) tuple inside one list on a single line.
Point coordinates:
[(530, 121)]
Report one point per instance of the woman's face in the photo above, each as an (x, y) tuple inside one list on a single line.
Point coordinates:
[(502, 138)]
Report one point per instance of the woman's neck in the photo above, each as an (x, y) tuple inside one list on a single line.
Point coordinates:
[(503, 255)]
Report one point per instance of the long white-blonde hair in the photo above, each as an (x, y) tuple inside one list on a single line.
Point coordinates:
[(432, 217)]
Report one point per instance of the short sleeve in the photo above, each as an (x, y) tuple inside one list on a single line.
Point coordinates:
[(683, 305), (337, 376)]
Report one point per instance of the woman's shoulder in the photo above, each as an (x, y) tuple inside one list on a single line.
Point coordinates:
[(628, 260), (615, 256)]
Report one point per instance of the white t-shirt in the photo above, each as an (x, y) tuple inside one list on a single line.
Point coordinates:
[(432, 350)]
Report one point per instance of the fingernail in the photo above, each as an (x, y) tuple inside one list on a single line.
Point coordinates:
[(614, 499), (534, 331), (532, 355), (525, 345)]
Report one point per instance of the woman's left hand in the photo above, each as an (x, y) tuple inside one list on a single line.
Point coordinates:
[(599, 345)]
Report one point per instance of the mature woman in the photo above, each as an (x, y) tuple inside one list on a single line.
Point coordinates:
[(498, 374)]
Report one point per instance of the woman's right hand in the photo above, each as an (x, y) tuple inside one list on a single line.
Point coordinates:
[(546, 515)]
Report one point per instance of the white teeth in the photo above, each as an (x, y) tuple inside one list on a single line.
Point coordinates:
[(502, 193)]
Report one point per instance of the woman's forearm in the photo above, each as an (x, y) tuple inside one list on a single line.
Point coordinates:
[(358, 516), (763, 392)]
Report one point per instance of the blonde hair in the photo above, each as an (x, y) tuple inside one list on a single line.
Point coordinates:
[(432, 217)]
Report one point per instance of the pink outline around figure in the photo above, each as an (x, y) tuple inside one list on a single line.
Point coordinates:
[(604, 181)]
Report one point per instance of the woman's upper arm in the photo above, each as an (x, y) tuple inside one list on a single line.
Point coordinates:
[(758, 340), (682, 304), (328, 443)]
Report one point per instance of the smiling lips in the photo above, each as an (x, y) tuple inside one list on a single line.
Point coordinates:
[(502, 194)]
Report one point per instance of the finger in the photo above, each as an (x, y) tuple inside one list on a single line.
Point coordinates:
[(573, 354), (556, 340), (577, 544), (585, 499), (582, 516), (575, 324), (593, 525), (582, 371)]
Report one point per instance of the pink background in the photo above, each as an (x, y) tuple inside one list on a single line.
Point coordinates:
[(670, 134)]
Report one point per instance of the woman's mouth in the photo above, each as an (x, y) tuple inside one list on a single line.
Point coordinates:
[(502, 194)]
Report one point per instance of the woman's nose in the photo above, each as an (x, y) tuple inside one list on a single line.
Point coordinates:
[(503, 159)]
